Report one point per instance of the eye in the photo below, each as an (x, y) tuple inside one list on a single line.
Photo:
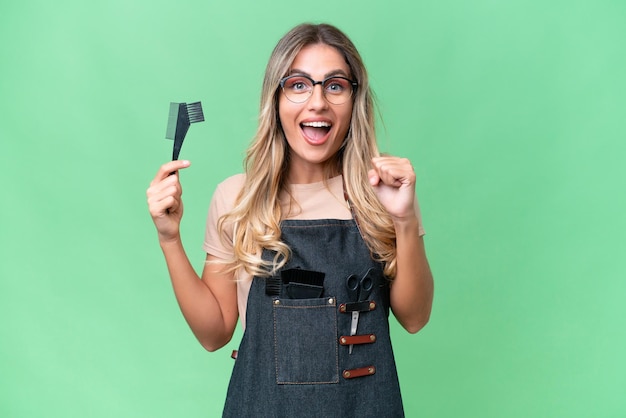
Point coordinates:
[(297, 84), (336, 85)]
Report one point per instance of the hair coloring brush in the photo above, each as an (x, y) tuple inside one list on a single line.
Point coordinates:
[(181, 116)]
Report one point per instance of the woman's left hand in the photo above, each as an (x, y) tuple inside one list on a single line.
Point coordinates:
[(393, 179)]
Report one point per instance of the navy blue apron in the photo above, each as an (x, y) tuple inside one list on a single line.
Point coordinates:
[(294, 359)]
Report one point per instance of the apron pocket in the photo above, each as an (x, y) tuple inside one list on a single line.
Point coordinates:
[(305, 341)]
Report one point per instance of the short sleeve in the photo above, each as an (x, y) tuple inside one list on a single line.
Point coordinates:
[(222, 202)]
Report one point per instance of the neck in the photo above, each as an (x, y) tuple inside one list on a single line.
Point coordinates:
[(312, 174)]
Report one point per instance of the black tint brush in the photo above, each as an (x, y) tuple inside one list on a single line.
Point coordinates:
[(181, 116)]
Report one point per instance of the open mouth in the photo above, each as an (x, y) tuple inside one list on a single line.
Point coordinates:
[(315, 131)]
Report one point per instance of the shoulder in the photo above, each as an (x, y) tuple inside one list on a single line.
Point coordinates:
[(233, 182), (226, 193), (231, 186)]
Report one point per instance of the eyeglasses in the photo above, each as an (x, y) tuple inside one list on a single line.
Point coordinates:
[(337, 90)]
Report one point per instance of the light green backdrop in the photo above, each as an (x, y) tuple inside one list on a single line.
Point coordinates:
[(511, 111)]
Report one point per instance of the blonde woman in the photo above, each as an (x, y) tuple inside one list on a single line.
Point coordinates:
[(310, 247)]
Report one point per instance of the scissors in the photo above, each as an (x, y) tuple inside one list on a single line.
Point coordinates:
[(359, 290)]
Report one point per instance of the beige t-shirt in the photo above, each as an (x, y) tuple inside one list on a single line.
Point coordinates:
[(322, 200)]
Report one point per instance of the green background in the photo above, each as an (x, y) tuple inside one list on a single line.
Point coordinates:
[(511, 111)]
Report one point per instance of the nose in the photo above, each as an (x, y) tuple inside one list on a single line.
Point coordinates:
[(317, 99)]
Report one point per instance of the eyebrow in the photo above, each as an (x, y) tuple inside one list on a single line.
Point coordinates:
[(332, 73)]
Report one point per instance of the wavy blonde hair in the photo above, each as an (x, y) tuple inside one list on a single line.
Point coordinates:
[(256, 216)]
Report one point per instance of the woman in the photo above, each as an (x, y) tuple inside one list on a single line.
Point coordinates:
[(310, 247)]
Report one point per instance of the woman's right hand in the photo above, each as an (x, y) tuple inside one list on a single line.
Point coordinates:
[(164, 200)]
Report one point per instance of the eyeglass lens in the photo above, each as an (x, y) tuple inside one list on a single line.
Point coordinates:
[(297, 88)]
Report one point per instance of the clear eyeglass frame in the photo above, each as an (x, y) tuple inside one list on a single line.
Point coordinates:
[(331, 96)]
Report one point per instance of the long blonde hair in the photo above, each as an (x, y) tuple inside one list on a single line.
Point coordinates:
[(255, 218)]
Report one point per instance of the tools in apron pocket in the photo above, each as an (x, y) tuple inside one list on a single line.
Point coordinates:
[(359, 291), (296, 283)]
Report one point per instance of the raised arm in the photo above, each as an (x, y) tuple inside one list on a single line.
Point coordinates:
[(209, 304), (411, 295)]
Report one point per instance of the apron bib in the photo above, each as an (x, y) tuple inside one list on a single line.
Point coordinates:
[(294, 359)]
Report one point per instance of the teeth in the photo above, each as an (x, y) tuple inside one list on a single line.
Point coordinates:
[(317, 124)]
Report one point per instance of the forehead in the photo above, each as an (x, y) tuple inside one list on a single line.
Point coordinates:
[(319, 60)]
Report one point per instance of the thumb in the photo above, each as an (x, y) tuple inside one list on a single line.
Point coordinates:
[(373, 177)]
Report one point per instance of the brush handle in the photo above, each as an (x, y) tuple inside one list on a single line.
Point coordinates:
[(180, 117)]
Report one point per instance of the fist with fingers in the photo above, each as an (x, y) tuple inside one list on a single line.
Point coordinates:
[(164, 200), (393, 180)]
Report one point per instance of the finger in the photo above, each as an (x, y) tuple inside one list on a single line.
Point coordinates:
[(162, 197), (394, 171), (173, 190), (170, 167), (392, 162), (169, 185), (160, 200), (165, 206), (373, 176), (387, 171)]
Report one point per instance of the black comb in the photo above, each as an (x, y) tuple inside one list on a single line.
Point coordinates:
[(181, 116), (303, 284), (272, 286)]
